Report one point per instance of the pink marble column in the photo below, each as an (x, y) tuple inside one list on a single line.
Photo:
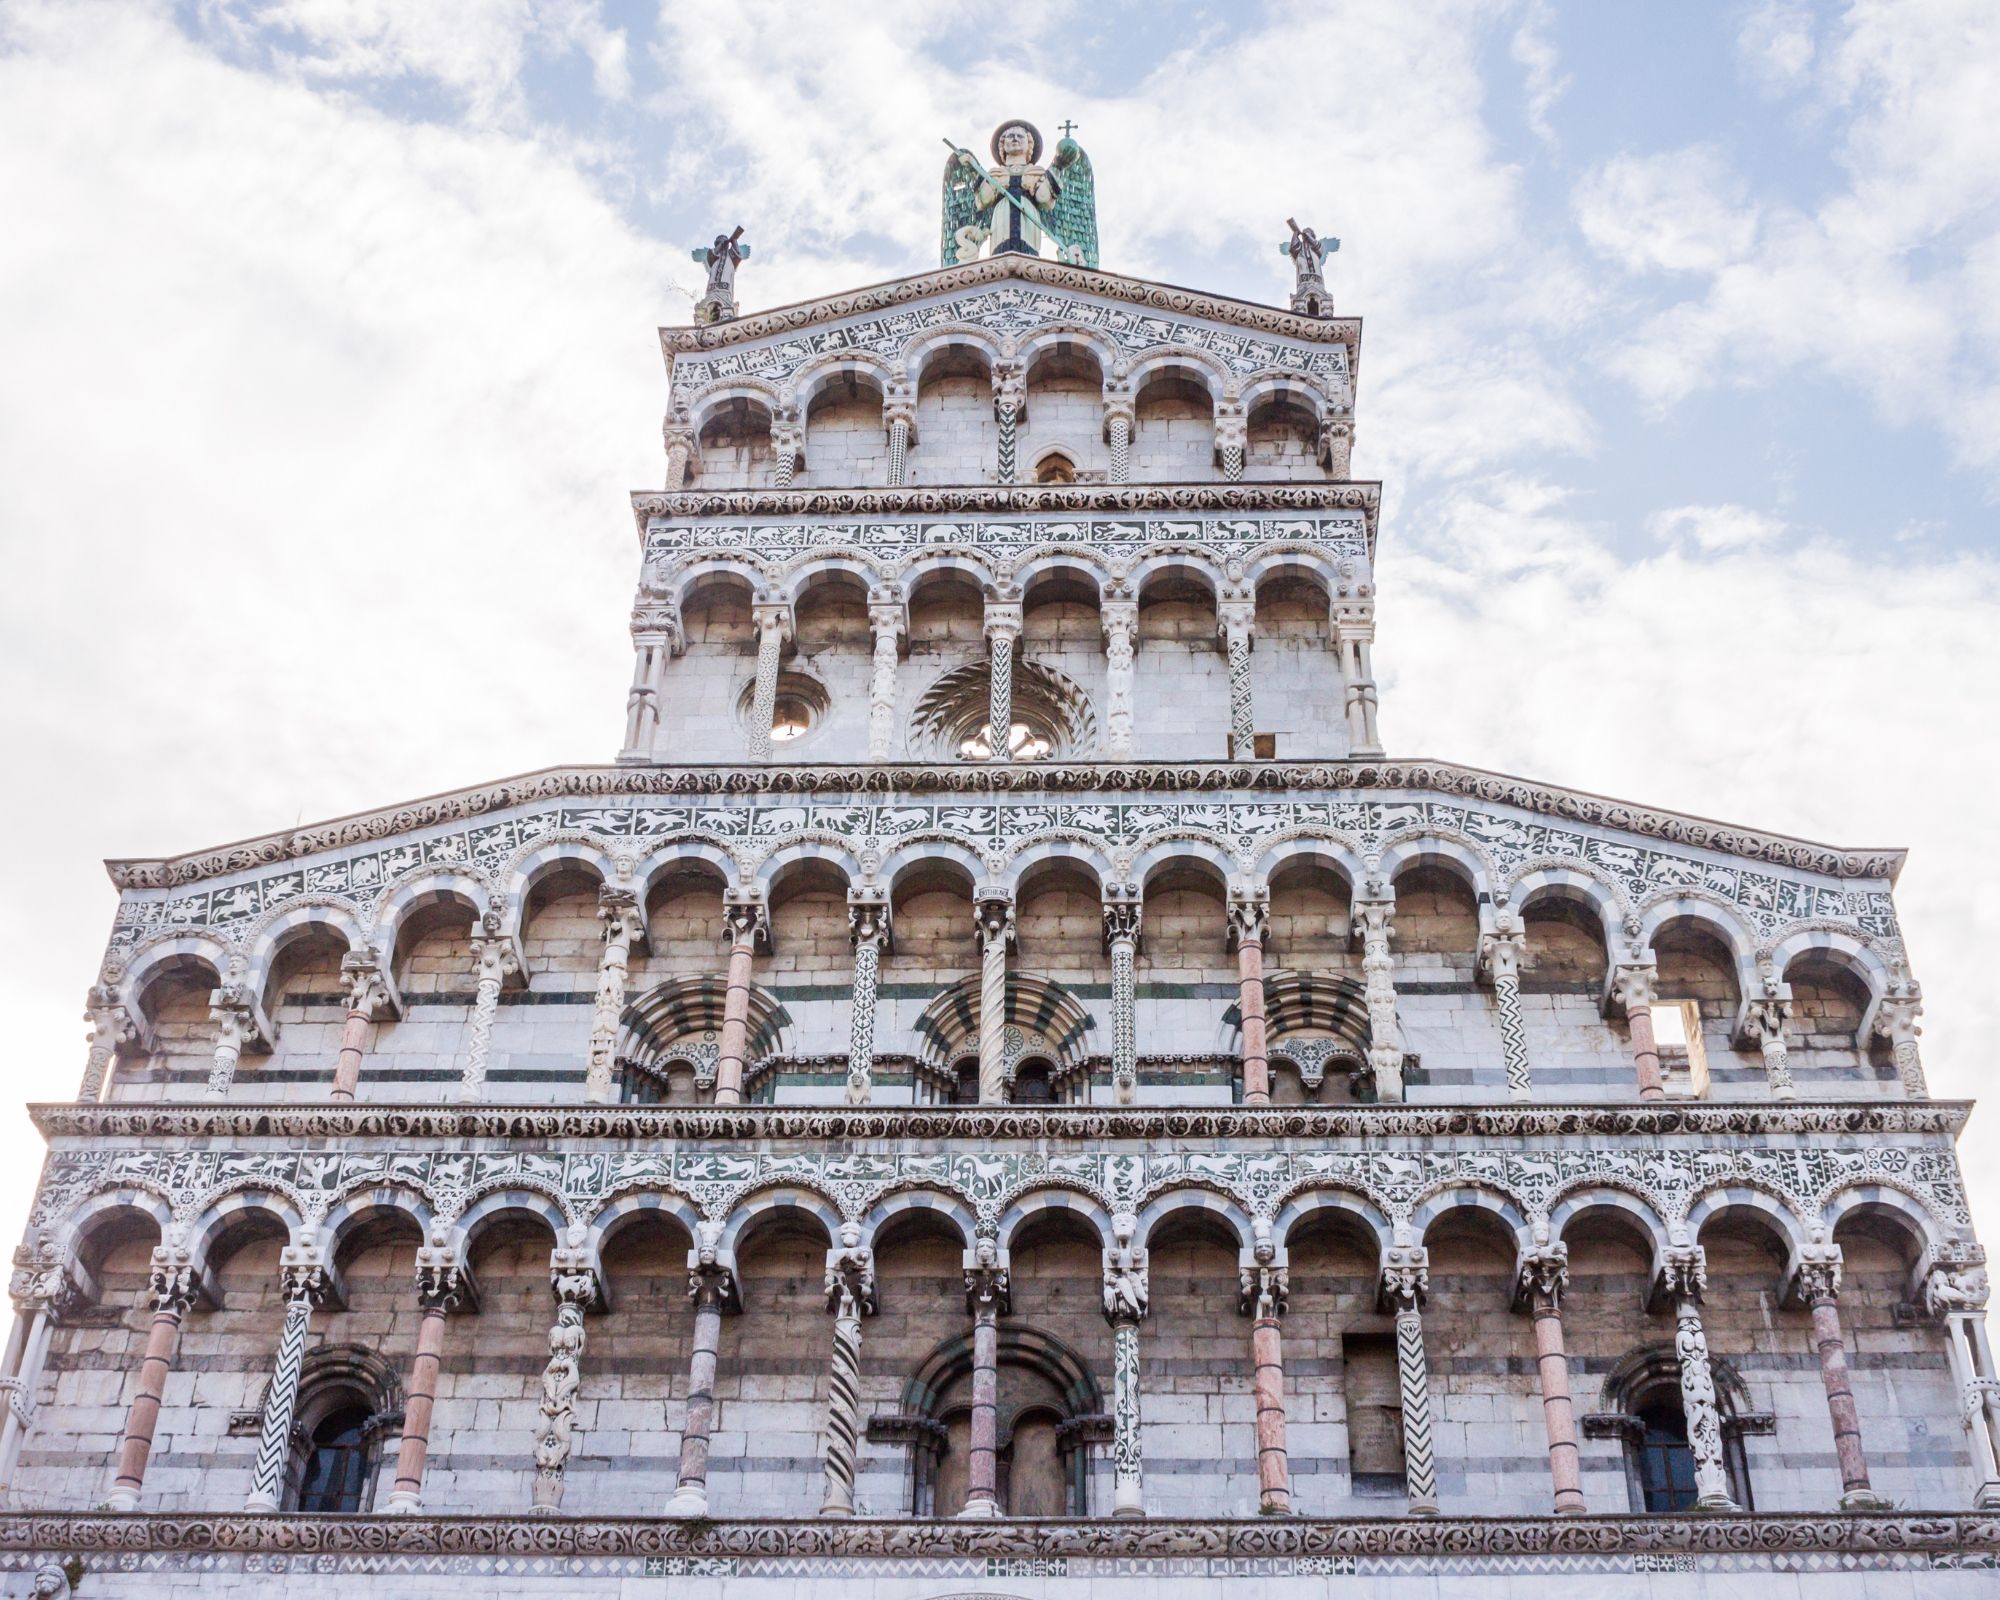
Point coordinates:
[(438, 1290), (172, 1292), (743, 920), (985, 1298), (708, 1286), (353, 1037), (1248, 919), (1819, 1286), (1635, 990), (1263, 1297), (1545, 1276)]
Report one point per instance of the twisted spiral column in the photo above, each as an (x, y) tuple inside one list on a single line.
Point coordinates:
[(995, 914)]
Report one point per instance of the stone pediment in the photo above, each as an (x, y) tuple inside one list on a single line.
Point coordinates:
[(1009, 296)]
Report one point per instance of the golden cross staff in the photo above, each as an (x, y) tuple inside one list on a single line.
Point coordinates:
[(1014, 200)]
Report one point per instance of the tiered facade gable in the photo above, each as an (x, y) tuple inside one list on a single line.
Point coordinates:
[(1005, 1080)]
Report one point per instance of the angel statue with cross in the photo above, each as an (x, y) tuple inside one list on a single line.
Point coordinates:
[(1010, 205)]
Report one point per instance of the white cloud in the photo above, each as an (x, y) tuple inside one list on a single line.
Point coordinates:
[(1684, 211), (474, 50), (1536, 54), (1884, 286), (1713, 528), (1775, 42)]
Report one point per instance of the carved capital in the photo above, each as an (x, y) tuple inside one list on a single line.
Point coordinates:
[(1127, 1288), (370, 988), (986, 1288), (850, 1274), (1956, 1281), (1249, 913), (573, 1284), (1502, 944), (441, 1285), (745, 917), (711, 1281), (1896, 1015), (1683, 1272), (1635, 984), (1123, 911), (1406, 1277), (1262, 1290), (172, 1284), (772, 617), (1375, 919), (1545, 1273), (1236, 619), (1232, 428), (993, 913), (868, 915), (1817, 1276), (309, 1281), (1003, 620)]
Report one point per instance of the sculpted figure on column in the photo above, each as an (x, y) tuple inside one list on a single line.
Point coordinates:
[(1684, 1278), (575, 1288), (1126, 1296), (850, 1296), (1374, 914)]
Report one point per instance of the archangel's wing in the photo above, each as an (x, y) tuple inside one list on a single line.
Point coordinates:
[(961, 207), (1073, 218)]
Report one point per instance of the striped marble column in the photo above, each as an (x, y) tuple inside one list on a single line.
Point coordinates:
[(306, 1285), (1405, 1283)]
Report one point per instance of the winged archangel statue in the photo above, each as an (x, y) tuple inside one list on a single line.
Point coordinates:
[(1010, 205)]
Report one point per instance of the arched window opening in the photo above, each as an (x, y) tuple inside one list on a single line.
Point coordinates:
[(1666, 1461), (1033, 1085), (339, 1462), (1643, 1410), (1055, 467), (965, 1087)]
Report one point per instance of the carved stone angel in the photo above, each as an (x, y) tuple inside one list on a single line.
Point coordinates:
[(1010, 205)]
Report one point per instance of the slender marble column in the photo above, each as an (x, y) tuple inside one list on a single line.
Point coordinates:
[(1118, 419), (1768, 1018), (1126, 1297), (171, 1292), (1406, 1279), (1544, 1279), (1249, 921), (575, 1292), (112, 1029), (1262, 1292), (868, 924), (621, 922), (655, 640), (1374, 916), (1336, 444), (496, 957), (994, 911), (1684, 1278), (1633, 983), (1896, 1020), (1501, 948), (1819, 1288), (986, 1299), (306, 1286), (1236, 621), (885, 617), (1982, 1446), (709, 1285), (1009, 397), (850, 1296), (28, 1351), (369, 996), (235, 1025), (1231, 439), (899, 415), (774, 627), (680, 443), (1121, 633), (787, 445), (1003, 629), (1123, 908), (743, 924), (439, 1289)]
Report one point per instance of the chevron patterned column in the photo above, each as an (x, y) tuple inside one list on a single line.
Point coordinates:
[(305, 1287), (1405, 1283), (1501, 947)]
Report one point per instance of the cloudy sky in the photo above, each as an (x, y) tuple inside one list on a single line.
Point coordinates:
[(326, 358)]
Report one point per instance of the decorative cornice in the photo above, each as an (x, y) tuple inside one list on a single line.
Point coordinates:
[(1085, 1124), (552, 783), (1069, 499), (1517, 1536), (1285, 323)]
